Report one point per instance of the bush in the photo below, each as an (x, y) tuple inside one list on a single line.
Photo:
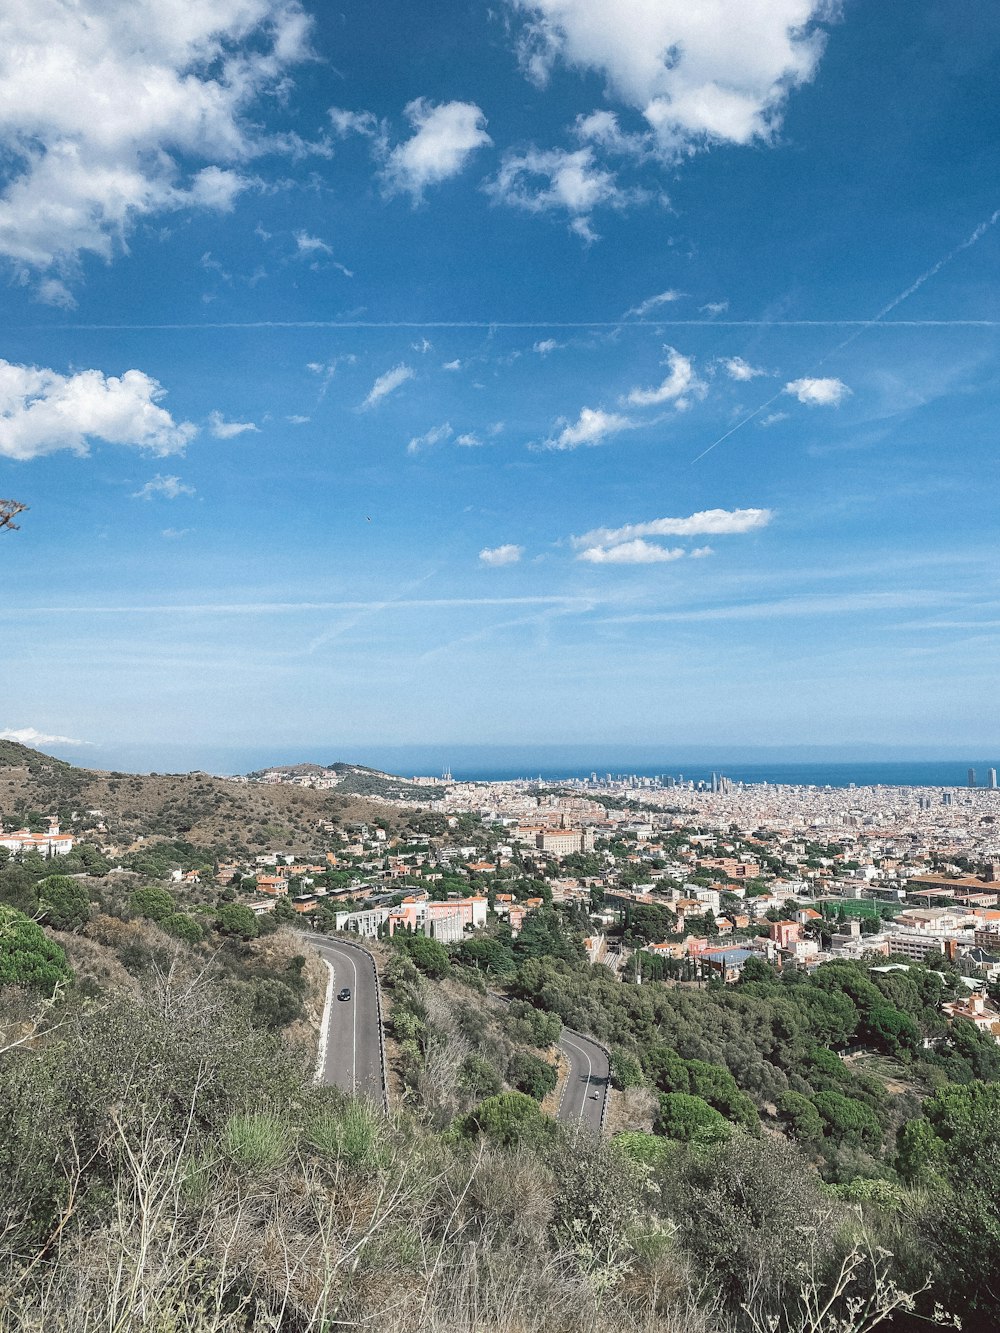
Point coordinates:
[(183, 927), (527, 1073), (800, 1117), (846, 1120), (63, 902), (626, 1071), (236, 920), (27, 956), (152, 903), (508, 1117), (430, 956), (690, 1119)]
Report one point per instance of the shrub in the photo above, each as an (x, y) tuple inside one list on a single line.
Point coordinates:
[(507, 1117), (153, 903), (237, 920), (690, 1119), (27, 956), (183, 927), (527, 1073), (64, 902)]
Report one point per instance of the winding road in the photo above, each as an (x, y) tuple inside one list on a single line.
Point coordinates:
[(589, 1073), (351, 1039)]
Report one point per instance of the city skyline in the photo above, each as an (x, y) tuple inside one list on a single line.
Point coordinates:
[(396, 378)]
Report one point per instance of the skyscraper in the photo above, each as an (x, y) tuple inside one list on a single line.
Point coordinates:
[(992, 779), (972, 777)]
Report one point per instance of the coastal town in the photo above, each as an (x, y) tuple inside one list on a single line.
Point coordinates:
[(673, 880)]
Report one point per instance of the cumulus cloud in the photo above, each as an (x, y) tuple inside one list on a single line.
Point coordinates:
[(636, 552), (469, 441), (652, 303), (593, 426), (388, 383), (679, 386), (545, 346), (508, 554), (159, 116), (707, 522), (541, 180), (29, 736), (714, 72), (168, 488), (430, 438), (42, 411), (700, 552), (818, 392), (444, 138), (452, 365), (738, 369), (228, 430)]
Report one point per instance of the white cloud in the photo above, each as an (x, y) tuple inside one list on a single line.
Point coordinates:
[(593, 426), (773, 418), (738, 369), (700, 552), (175, 534), (652, 303), (345, 122), (50, 291), (818, 392), (388, 383), (707, 522), (636, 552), (297, 419), (29, 736), (714, 72), (680, 382), (452, 365), (42, 411), (714, 308), (469, 441), (603, 128), (540, 180), (167, 487), (430, 438), (311, 245), (228, 430), (501, 555), (157, 120), (545, 346), (444, 139)]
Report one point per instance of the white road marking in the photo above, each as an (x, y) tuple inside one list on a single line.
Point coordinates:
[(324, 1031)]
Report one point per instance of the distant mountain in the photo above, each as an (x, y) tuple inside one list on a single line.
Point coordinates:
[(355, 780)]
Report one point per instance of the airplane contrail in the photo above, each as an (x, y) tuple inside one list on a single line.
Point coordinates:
[(971, 240)]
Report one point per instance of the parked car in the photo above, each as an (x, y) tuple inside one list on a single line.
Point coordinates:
[(344, 994)]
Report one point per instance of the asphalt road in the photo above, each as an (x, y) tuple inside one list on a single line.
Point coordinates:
[(588, 1073), (353, 1054)]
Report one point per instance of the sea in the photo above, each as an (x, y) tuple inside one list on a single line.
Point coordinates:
[(820, 767)]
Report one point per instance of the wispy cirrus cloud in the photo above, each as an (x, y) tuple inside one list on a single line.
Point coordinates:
[(228, 430), (436, 435), (652, 303), (388, 383), (167, 488)]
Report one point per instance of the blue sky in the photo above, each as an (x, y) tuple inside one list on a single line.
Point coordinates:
[(556, 371)]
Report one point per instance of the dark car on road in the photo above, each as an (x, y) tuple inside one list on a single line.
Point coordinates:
[(344, 994)]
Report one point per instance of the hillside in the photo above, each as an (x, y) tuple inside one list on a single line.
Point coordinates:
[(196, 807), (354, 780)]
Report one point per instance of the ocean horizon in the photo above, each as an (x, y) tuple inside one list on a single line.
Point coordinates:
[(793, 766)]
